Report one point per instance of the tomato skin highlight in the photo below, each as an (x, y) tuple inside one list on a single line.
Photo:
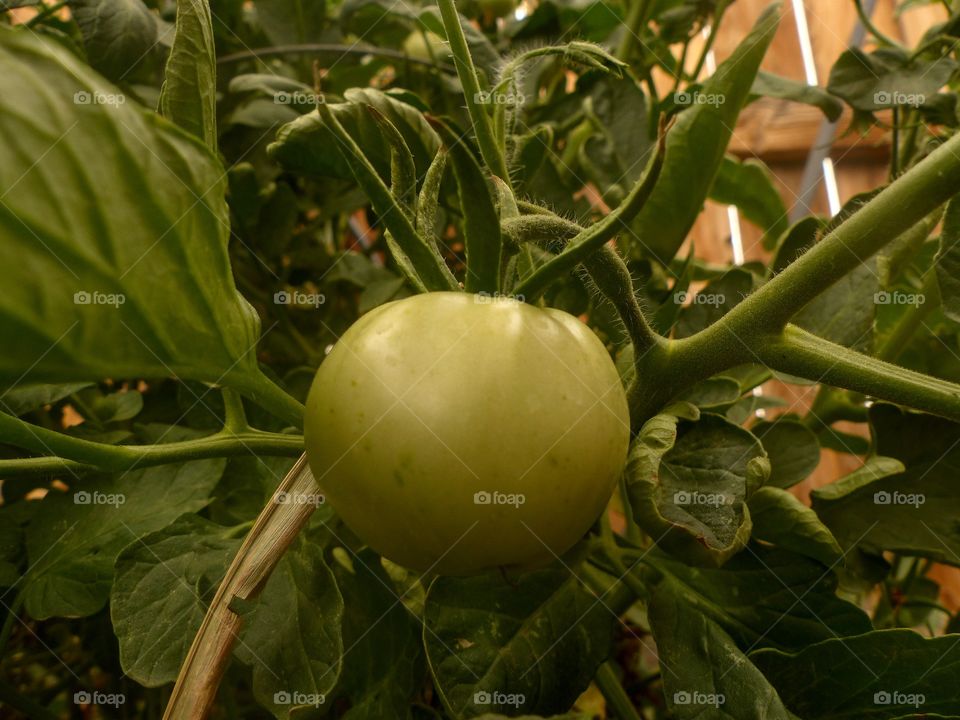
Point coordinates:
[(456, 433)]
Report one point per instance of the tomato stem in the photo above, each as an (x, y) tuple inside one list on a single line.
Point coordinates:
[(614, 694)]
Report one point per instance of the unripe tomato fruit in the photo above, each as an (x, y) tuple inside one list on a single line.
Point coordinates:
[(416, 47), (457, 433)]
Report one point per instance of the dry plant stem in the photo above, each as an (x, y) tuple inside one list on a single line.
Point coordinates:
[(273, 532)]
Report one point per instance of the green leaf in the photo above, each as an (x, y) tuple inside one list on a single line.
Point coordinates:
[(76, 536), (481, 221), (779, 518), (792, 447), (697, 143), (749, 185), (799, 238), (911, 512), (948, 262), (755, 596), (705, 675), (688, 489), (712, 302), (384, 665), (304, 145), (189, 93), (875, 676), (164, 582), (382, 22), (156, 252), (713, 392), (291, 22), (117, 34), (24, 398), (293, 636), (774, 86), (887, 78), (532, 644)]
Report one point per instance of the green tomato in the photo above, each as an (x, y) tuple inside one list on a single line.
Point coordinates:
[(456, 433), (416, 47)]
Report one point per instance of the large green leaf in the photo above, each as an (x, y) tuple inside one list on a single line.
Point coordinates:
[(529, 645), (117, 34), (767, 598), (881, 675), (384, 665), (307, 146), (912, 512), (291, 22), (781, 519), (76, 536), (696, 144), (705, 675), (293, 637), (688, 486), (776, 86), (189, 92), (127, 273), (749, 185), (159, 598), (792, 447)]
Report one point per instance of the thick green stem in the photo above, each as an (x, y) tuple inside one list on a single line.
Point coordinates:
[(636, 21), (802, 354), (594, 237), (62, 452), (613, 692), (467, 72), (905, 202)]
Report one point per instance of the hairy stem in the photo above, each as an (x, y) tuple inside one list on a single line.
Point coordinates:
[(594, 237), (467, 72)]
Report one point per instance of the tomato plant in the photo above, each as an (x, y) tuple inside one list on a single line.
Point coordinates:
[(355, 364)]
